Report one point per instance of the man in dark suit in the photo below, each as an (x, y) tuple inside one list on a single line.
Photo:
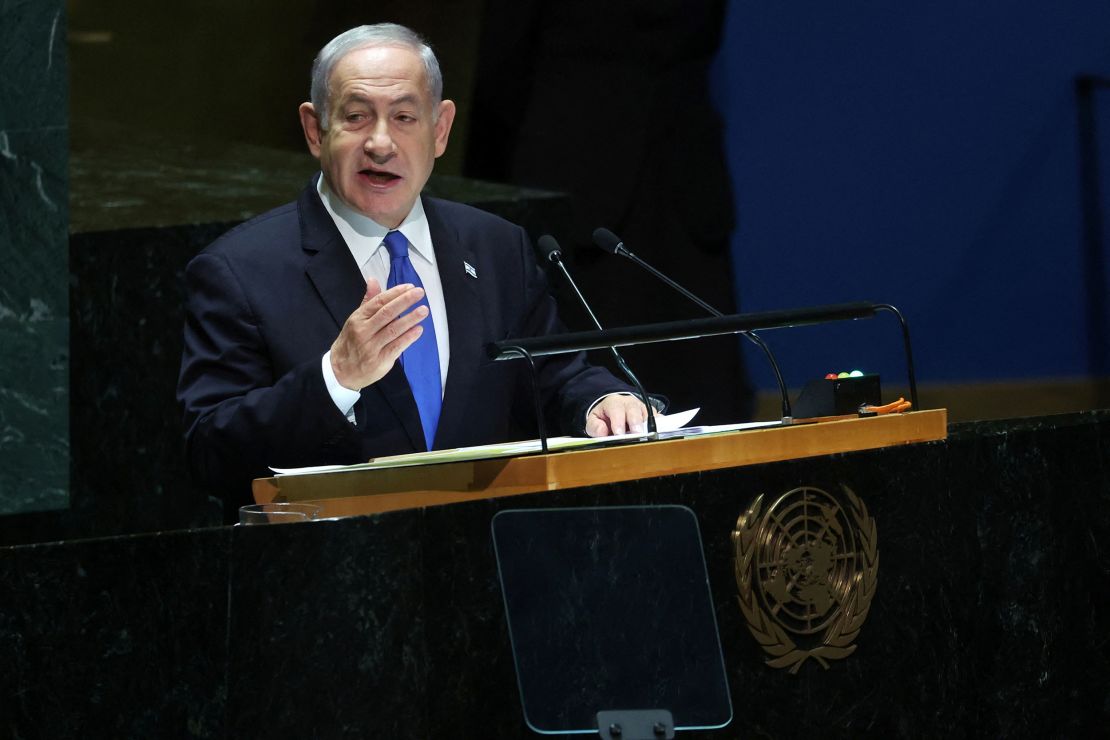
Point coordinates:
[(294, 353)]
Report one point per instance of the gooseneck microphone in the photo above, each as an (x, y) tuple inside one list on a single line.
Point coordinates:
[(554, 254), (610, 242)]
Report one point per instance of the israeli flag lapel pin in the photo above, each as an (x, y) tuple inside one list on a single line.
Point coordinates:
[(470, 270)]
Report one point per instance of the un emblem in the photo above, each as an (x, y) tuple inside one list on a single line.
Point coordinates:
[(806, 570)]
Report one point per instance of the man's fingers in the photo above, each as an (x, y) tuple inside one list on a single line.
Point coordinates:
[(406, 293), (617, 422), (635, 416), (607, 418), (392, 350), (397, 305), (595, 427), (616, 414), (376, 334), (373, 288), (391, 330), (386, 324)]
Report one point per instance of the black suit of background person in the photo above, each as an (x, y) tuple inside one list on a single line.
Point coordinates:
[(609, 101)]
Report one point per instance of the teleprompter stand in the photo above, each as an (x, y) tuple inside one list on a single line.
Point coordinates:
[(611, 620), (636, 724)]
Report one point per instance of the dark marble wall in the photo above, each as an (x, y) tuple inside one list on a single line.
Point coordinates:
[(989, 618), (34, 318), (115, 638)]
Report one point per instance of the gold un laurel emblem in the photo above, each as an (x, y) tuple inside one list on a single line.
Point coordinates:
[(806, 571)]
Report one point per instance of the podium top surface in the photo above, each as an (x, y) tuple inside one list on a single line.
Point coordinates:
[(348, 493)]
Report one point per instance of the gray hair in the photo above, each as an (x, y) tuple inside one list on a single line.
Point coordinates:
[(363, 37)]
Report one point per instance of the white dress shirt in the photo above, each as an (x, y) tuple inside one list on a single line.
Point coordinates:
[(365, 238)]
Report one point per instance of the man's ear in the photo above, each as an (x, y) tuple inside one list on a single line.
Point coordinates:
[(443, 125), (310, 122)]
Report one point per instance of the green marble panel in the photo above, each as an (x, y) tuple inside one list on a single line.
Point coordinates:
[(34, 270)]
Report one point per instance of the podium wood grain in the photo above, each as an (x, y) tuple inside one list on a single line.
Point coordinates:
[(390, 489)]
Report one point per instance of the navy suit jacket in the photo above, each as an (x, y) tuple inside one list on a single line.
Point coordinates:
[(266, 301)]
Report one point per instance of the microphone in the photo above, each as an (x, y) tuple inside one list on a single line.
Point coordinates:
[(554, 254), (610, 242)]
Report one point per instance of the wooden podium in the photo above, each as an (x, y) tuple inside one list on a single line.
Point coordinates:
[(349, 493)]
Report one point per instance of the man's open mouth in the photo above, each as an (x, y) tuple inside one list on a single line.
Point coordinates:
[(379, 177)]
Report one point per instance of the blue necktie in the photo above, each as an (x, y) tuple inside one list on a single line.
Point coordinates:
[(421, 360)]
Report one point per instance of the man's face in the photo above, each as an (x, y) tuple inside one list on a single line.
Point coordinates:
[(383, 133)]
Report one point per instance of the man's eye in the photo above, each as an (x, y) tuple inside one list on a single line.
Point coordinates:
[(355, 117), (406, 118)]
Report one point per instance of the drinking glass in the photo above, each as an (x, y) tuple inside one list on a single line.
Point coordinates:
[(278, 513)]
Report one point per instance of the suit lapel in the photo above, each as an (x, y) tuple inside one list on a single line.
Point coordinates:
[(464, 322), (331, 268), (338, 281)]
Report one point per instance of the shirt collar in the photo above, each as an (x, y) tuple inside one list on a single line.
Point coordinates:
[(364, 235)]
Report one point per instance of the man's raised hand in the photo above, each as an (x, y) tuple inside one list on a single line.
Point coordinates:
[(376, 333)]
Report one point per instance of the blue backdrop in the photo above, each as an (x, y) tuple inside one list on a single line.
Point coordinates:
[(921, 154)]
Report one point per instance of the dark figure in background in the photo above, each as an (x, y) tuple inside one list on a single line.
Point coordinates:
[(609, 102)]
